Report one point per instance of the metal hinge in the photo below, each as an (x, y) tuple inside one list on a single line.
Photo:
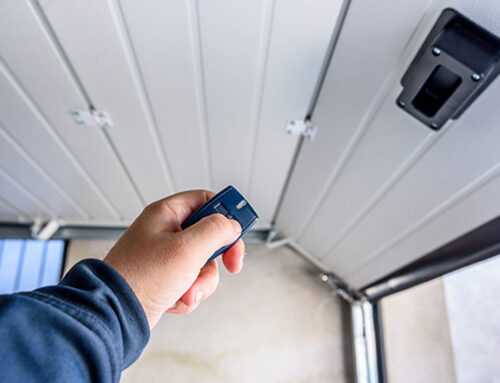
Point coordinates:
[(301, 127), (44, 230), (341, 288), (92, 117)]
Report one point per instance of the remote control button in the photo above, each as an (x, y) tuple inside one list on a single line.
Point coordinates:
[(241, 204), (220, 208)]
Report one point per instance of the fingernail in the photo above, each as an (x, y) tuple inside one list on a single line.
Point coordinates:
[(236, 225), (173, 306), (197, 296)]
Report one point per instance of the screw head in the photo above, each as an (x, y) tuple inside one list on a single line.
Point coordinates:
[(436, 51), (434, 125), (324, 277), (401, 103), (475, 76)]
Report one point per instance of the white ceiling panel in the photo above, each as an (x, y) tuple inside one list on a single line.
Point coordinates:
[(26, 125), (49, 87), (294, 59), (97, 43), (358, 79), (384, 189), (13, 195), (23, 173), (166, 40), (219, 90), (9, 213), (199, 93), (232, 55)]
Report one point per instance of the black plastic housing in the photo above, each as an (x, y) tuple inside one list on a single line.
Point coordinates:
[(456, 62)]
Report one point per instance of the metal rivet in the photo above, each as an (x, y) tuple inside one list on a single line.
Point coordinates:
[(434, 125), (324, 277), (401, 103), (475, 76), (436, 51)]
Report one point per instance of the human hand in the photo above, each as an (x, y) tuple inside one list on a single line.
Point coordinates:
[(164, 265)]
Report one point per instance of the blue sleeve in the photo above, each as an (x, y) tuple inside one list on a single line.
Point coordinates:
[(86, 329)]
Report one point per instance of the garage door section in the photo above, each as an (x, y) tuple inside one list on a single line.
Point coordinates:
[(383, 188)]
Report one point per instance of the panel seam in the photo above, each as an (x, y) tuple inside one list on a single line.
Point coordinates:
[(31, 104), (456, 198), (39, 169), (73, 76), (200, 84), (427, 143), (263, 59), (357, 137), (21, 215), (140, 86), (314, 99), (24, 191)]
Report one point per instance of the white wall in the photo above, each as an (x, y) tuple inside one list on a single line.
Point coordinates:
[(474, 315)]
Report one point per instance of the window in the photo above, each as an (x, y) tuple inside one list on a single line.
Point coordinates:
[(29, 264)]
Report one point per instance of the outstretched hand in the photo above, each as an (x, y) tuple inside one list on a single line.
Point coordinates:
[(164, 265)]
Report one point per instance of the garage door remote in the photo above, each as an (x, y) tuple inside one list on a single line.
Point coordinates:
[(231, 204)]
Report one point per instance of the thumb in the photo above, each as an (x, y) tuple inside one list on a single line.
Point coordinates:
[(208, 235)]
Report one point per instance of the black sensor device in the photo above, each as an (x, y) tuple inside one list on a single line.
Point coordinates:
[(231, 204), (456, 62)]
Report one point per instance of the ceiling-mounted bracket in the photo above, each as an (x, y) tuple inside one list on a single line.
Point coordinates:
[(44, 230), (92, 117), (301, 128)]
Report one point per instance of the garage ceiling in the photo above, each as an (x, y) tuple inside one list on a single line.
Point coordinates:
[(199, 93)]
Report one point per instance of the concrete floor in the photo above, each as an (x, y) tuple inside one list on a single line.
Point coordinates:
[(275, 322)]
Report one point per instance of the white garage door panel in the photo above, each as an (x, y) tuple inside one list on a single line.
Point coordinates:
[(96, 41), (467, 150), (468, 213), (21, 168), (165, 37), (294, 60), (231, 40), (354, 89), (27, 126), (19, 198), (392, 189), (220, 91), (9, 213), (367, 175), (199, 93), (52, 89)]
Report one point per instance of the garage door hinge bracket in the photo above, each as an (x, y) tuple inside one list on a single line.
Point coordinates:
[(92, 117), (44, 230), (341, 288), (301, 128)]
